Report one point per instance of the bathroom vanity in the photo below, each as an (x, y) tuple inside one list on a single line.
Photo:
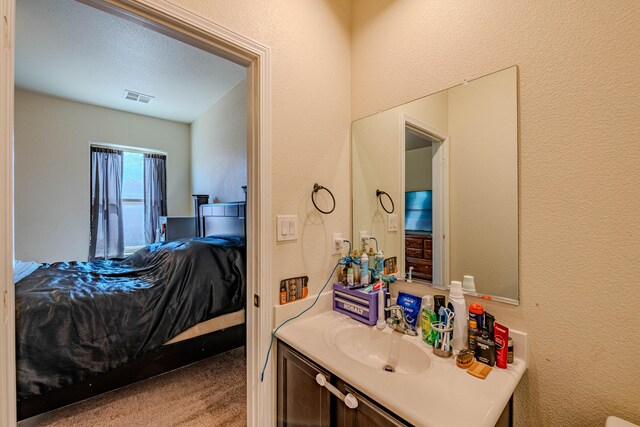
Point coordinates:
[(302, 401), (421, 389)]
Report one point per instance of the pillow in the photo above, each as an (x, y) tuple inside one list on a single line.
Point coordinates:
[(22, 269)]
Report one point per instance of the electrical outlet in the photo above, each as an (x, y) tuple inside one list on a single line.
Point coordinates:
[(337, 243), (364, 235)]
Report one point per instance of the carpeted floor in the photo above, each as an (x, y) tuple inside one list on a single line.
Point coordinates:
[(208, 393)]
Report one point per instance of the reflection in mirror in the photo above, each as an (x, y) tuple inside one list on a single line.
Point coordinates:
[(450, 163)]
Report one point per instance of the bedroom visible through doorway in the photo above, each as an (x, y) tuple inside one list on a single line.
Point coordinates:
[(197, 120)]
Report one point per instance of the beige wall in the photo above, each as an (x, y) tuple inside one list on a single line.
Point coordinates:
[(310, 47), (52, 169), (418, 169), (483, 183), (578, 240), (219, 148)]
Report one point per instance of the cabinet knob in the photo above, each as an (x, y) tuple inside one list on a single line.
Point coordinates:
[(349, 400)]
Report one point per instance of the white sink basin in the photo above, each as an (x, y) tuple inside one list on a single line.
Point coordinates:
[(357, 354), (382, 350)]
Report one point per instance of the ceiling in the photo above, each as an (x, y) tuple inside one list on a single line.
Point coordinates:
[(71, 50), (414, 140)]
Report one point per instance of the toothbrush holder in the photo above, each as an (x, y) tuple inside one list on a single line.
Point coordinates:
[(442, 347)]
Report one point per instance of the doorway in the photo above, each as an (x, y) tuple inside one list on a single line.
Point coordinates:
[(424, 201), (186, 27)]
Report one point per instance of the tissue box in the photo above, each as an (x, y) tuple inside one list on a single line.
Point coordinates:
[(356, 304)]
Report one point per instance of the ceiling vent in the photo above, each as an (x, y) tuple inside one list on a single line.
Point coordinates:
[(137, 97)]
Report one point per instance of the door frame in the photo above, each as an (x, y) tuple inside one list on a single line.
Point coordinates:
[(179, 23), (440, 188)]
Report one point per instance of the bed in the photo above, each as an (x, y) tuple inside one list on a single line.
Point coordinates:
[(83, 328)]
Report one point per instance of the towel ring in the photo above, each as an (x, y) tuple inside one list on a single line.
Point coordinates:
[(379, 194), (317, 188)]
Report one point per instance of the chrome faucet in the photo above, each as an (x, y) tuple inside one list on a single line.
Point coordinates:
[(397, 320)]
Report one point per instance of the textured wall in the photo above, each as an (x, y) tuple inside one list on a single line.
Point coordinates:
[(579, 176), (309, 43), (52, 169), (219, 148)]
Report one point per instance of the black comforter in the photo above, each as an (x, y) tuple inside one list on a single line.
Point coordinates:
[(80, 319)]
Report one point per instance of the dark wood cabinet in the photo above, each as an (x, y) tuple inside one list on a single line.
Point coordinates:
[(301, 401), (418, 254), (367, 413)]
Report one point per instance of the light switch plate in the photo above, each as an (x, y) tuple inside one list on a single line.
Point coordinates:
[(287, 227), (392, 222)]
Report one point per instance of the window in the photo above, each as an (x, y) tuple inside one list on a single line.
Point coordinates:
[(133, 200), (128, 197)]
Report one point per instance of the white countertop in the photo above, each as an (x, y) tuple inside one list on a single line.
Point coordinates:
[(442, 395)]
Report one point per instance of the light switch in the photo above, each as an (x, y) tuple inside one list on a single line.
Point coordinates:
[(287, 227), (392, 222)]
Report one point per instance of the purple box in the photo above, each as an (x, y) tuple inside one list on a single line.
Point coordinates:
[(356, 304)]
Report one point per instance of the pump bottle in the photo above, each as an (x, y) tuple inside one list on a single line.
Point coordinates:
[(427, 316)]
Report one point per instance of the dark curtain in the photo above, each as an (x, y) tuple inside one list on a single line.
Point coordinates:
[(155, 194), (107, 230)]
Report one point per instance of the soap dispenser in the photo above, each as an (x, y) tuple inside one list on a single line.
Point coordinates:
[(427, 316)]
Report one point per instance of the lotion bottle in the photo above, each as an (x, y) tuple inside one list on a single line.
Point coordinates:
[(356, 267), (460, 321), (379, 257), (364, 269), (372, 256)]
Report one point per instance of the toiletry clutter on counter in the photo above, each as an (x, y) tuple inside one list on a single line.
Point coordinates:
[(444, 326), (363, 291), (449, 327)]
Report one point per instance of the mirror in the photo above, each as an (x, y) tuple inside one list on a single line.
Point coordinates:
[(449, 163)]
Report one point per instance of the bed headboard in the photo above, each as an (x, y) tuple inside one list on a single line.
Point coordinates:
[(223, 219)]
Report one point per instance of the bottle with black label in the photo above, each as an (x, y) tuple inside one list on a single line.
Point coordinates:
[(485, 350), (489, 321), (473, 334)]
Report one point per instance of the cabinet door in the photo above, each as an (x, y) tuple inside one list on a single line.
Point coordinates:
[(421, 267), (301, 401), (367, 414), (413, 242)]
